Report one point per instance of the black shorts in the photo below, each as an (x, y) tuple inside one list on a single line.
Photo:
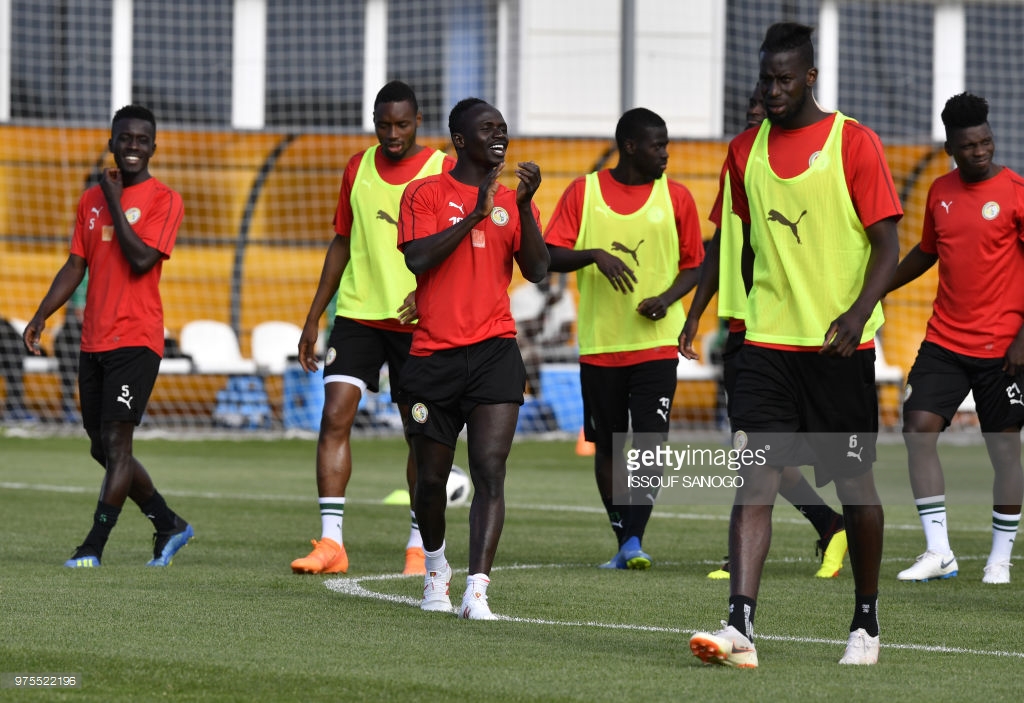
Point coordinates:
[(809, 408), (445, 387), (614, 397), (116, 385), (356, 353), (940, 379)]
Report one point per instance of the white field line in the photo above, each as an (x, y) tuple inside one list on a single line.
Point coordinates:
[(353, 586)]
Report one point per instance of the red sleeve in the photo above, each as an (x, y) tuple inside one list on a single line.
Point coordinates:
[(736, 163), (564, 226), (417, 217), (343, 216), (716, 210), (867, 175), (691, 243)]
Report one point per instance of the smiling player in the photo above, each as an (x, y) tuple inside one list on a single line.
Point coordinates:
[(126, 226), (973, 226), (460, 232), (374, 312)]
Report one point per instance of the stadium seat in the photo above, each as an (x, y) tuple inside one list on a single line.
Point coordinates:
[(273, 343), (885, 373), (214, 348)]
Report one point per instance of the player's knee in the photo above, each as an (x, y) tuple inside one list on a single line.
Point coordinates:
[(922, 427), (489, 482), (337, 420)]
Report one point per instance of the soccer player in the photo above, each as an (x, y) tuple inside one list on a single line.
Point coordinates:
[(629, 310), (973, 226), (126, 226), (721, 273), (819, 212), (374, 312), (459, 232)]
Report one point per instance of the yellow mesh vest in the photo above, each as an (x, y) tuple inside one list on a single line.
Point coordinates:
[(608, 320), (732, 296), (376, 279), (811, 249)]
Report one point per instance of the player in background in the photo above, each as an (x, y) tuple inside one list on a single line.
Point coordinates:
[(460, 232), (125, 228), (819, 212), (374, 312), (973, 226), (721, 273), (629, 310)]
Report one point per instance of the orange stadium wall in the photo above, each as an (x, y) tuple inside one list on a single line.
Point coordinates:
[(259, 207)]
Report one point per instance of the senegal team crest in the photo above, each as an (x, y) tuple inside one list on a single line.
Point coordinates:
[(990, 210), (332, 354), (419, 413), (499, 216), (132, 214)]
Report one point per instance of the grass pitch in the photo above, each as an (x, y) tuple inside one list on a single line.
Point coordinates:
[(228, 621)]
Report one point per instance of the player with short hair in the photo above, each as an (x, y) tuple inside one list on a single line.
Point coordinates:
[(373, 316), (629, 310), (125, 228), (459, 232), (721, 273), (974, 227), (819, 212)]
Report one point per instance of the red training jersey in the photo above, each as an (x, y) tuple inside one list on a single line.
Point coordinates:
[(976, 230), (464, 299), (564, 229), (123, 309)]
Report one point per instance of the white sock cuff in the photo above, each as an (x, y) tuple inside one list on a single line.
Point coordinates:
[(1007, 517), (477, 583), (930, 500)]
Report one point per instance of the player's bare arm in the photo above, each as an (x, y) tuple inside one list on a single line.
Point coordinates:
[(335, 261), (707, 286), (1013, 362), (913, 265), (63, 285), (532, 257), (427, 252), (843, 335), (655, 307), (140, 255), (614, 269)]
